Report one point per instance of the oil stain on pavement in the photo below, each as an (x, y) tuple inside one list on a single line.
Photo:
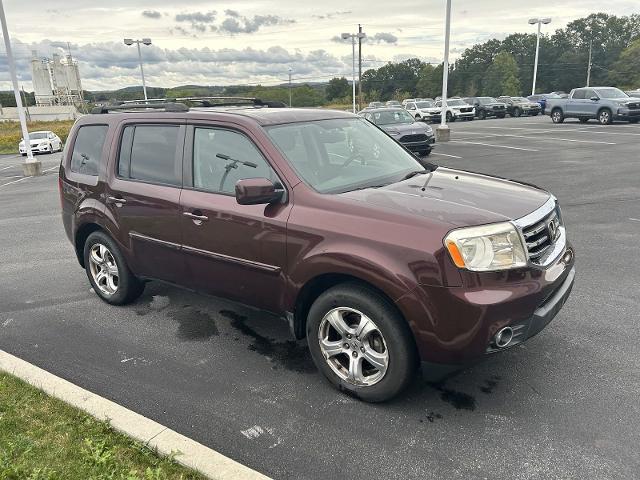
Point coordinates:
[(459, 400), (289, 354), (194, 324), (490, 384)]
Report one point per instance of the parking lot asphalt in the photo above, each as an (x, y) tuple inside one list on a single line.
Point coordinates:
[(563, 405)]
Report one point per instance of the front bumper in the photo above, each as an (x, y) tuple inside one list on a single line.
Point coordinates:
[(35, 149), (456, 325), (627, 114), (464, 114), (423, 146)]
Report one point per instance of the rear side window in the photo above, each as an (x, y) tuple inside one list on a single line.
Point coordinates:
[(87, 149), (148, 153), (578, 94)]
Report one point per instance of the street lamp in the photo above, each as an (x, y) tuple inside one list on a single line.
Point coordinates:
[(442, 132), (539, 21), (146, 41), (353, 36), (290, 70), (31, 167)]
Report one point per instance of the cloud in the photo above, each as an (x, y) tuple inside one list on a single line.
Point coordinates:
[(331, 15), (197, 17), (232, 13), (235, 23), (152, 14)]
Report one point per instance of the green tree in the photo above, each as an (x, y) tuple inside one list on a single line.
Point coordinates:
[(338, 88), (502, 76), (430, 81), (625, 72)]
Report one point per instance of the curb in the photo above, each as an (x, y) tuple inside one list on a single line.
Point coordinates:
[(165, 441)]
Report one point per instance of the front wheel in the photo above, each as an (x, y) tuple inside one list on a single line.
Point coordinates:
[(604, 117), (482, 115), (108, 272), (361, 343), (557, 116), (517, 112), (634, 120)]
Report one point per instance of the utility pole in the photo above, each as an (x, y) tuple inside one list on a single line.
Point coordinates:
[(589, 66), (360, 37), (290, 70), (31, 167), (442, 132), (146, 41), (539, 21)]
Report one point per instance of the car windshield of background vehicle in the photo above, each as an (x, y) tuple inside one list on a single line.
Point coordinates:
[(487, 100), (38, 136), (391, 117), (519, 99), (424, 104), (455, 103), (340, 155), (611, 93)]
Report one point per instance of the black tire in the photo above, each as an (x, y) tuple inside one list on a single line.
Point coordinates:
[(128, 286), (605, 117), (482, 114), (517, 112), (425, 153), (418, 118), (557, 116), (634, 120), (583, 119), (501, 115), (449, 117), (400, 347), (535, 114)]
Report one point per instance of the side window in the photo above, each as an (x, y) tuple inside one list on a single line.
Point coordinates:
[(411, 106), (222, 157), (578, 95), (438, 103), (87, 149), (590, 94), (148, 153)]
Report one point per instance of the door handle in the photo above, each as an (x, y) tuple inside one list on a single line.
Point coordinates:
[(118, 201), (195, 217)]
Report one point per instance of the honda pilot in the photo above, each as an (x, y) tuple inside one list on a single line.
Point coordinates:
[(380, 260)]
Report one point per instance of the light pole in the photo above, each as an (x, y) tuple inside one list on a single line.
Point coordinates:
[(290, 70), (361, 36), (442, 132), (539, 21), (31, 167), (146, 41), (353, 37)]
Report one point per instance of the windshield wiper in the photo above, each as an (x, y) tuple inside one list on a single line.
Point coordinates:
[(413, 174)]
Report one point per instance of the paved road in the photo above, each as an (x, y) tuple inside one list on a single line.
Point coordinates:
[(564, 405)]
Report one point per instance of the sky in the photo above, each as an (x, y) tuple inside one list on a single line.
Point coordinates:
[(257, 41)]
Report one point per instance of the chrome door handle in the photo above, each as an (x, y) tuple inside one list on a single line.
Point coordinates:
[(118, 201), (194, 217)]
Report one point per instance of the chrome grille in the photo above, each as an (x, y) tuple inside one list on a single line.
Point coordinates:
[(541, 236), (421, 137)]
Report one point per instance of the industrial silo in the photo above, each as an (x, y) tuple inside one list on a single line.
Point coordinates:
[(41, 81)]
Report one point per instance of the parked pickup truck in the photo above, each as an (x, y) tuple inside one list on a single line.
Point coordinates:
[(605, 104)]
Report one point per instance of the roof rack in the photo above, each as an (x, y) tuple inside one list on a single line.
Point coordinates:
[(166, 106), (231, 102)]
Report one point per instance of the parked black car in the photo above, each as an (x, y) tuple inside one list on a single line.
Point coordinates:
[(487, 107), (401, 126), (517, 106)]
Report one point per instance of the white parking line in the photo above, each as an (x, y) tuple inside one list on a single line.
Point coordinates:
[(496, 146), (15, 181), (445, 155), (52, 168), (509, 135), (6, 168)]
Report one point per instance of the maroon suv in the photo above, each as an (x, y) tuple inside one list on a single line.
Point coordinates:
[(318, 216)]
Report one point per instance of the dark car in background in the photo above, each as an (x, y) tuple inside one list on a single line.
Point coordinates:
[(517, 106), (402, 126), (487, 107), (377, 259), (541, 99)]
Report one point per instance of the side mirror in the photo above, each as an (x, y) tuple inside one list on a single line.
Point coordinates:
[(595, 99), (257, 191)]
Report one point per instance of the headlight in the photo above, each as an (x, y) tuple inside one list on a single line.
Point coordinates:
[(486, 248), (428, 129), (393, 133)]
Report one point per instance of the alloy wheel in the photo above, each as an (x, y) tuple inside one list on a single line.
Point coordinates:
[(353, 346), (605, 117), (104, 269)]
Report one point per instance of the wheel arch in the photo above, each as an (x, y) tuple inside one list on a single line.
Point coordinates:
[(81, 236)]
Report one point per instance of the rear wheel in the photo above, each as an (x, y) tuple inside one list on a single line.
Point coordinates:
[(450, 117), (361, 343), (482, 114), (605, 117), (634, 120), (517, 112), (108, 272), (557, 116), (501, 115)]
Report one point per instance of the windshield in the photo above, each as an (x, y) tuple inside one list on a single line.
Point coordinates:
[(424, 104), (519, 99), (340, 155), (391, 117), (486, 100), (455, 103), (611, 92), (37, 135)]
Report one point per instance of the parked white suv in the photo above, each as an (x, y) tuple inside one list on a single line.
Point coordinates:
[(423, 110), (458, 109), (44, 141)]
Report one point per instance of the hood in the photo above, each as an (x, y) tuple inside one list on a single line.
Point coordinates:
[(456, 197), (407, 128), (430, 109), (34, 142)]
